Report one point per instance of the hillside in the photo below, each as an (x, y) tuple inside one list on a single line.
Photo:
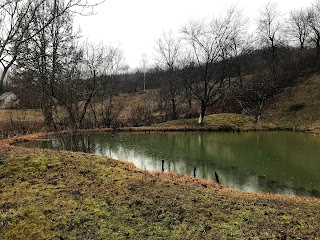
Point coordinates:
[(297, 107)]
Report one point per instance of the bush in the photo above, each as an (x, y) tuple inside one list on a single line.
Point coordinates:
[(296, 107)]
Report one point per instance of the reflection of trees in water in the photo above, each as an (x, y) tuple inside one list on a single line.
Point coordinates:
[(75, 142)]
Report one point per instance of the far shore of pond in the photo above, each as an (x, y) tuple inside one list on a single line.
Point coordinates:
[(7, 143)]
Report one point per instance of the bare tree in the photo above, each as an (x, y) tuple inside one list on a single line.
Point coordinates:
[(109, 107), (314, 23), (237, 50), (208, 45), (269, 27), (298, 26), (16, 18), (46, 51), (87, 77), (258, 89), (95, 63), (57, 63), (168, 49)]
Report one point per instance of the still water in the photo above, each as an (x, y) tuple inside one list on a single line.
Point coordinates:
[(277, 162)]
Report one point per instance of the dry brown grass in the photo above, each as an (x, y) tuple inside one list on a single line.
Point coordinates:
[(283, 112), (131, 102), (297, 107), (16, 121), (18, 115)]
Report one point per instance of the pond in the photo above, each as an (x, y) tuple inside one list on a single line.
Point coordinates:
[(277, 162)]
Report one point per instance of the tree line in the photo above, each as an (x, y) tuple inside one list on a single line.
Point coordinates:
[(219, 60), (214, 64)]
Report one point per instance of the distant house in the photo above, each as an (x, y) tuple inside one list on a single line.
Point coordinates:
[(8, 100)]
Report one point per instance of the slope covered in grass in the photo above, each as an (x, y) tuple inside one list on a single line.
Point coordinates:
[(296, 107), (223, 121)]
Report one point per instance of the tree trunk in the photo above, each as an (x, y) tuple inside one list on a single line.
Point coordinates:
[(257, 117), (48, 115), (2, 81), (259, 111), (174, 108), (240, 75), (203, 111), (190, 102), (318, 45)]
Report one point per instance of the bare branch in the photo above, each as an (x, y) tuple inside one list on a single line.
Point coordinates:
[(17, 18)]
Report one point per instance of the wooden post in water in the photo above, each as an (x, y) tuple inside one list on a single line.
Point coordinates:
[(217, 177), (194, 171), (162, 166)]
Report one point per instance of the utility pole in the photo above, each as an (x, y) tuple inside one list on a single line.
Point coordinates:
[(144, 65), (144, 80)]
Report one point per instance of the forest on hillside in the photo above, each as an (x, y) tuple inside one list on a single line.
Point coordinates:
[(210, 66)]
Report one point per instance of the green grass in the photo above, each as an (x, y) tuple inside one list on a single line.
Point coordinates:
[(50, 195), (223, 121)]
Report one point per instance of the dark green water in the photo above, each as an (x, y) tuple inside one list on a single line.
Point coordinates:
[(278, 162)]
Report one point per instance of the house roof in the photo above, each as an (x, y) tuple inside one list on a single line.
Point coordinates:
[(4, 95)]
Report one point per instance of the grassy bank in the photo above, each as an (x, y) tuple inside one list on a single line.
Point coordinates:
[(297, 107), (62, 195), (223, 122)]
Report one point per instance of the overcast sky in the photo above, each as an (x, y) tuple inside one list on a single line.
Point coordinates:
[(135, 24)]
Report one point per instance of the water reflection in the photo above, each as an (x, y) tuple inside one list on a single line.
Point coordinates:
[(278, 162)]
